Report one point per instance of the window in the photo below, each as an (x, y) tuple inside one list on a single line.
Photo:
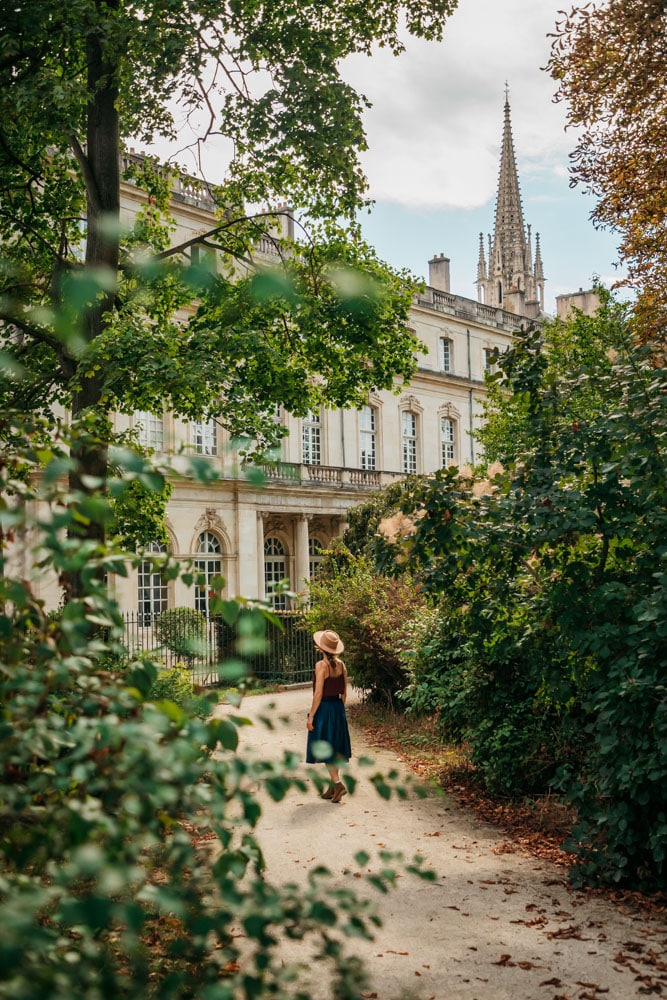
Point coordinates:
[(447, 445), (209, 564), (206, 437), (275, 570), (445, 354), (409, 441), (152, 596), (151, 430), (315, 557), (311, 445), (367, 441), (489, 359)]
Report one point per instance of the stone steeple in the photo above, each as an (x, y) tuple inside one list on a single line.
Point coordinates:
[(512, 280)]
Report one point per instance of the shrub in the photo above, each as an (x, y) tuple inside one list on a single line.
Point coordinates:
[(175, 684), (183, 631), (551, 658), (373, 615)]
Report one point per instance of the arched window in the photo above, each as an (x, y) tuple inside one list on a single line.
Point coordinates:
[(315, 557), (209, 564), (152, 592), (447, 441), (367, 437), (409, 441), (275, 570)]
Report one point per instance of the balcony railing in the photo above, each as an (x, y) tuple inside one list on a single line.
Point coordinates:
[(458, 305), (328, 475)]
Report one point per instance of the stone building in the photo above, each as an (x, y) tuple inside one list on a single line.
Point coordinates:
[(255, 536)]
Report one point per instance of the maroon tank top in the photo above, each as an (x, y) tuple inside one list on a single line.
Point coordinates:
[(333, 686)]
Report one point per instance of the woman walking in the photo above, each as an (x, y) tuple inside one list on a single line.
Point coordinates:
[(327, 720)]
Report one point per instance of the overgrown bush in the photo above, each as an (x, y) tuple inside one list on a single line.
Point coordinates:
[(183, 631), (373, 615), (175, 685), (106, 792), (551, 657)]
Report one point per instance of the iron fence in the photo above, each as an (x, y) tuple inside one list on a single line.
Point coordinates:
[(203, 643)]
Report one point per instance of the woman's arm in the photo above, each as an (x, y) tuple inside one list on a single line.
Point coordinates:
[(344, 694), (320, 669)]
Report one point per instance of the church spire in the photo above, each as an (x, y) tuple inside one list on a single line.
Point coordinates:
[(509, 230), (510, 282)]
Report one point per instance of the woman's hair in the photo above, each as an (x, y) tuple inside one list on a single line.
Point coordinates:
[(331, 658)]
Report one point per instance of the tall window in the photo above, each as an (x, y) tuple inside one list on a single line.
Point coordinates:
[(367, 440), (489, 359), (315, 557), (447, 444), (209, 564), (409, 441), (275, 570), (311, 442), (206, 437), (152, 596), (445, 354), (151, 430)]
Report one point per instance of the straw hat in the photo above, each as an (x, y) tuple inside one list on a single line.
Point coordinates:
[(329, 641)]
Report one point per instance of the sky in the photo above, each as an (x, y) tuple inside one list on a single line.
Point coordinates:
[(434, 135), (434, 132)]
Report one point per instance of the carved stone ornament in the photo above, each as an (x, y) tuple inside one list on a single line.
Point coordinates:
[(273, 525), (410, 402), (449, 410), (210, 520)]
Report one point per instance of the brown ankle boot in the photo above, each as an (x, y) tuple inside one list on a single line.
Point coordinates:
[(329, 794), (339, 791)]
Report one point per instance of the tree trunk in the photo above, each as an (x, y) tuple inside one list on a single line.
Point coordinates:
[(102, 252)]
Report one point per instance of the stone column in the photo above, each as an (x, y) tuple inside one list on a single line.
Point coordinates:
[(259, 560), (301, 552)]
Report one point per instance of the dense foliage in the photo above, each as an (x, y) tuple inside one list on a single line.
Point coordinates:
[(98, 319), (129, 863), (550, 658), (375, 614)]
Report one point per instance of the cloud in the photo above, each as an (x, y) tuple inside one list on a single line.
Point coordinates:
[(435, 127)]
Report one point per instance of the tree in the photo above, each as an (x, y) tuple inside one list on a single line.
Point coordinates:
[(550, 659), (518, 420), (75, 80), (129, 860), (609, 61)]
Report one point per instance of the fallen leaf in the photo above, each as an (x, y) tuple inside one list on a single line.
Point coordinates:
[(504, 960), (552, 982)]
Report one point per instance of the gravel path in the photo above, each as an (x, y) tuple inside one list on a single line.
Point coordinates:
[(492, 926)]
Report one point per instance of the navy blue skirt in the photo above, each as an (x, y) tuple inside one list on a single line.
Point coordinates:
[(329, 726)]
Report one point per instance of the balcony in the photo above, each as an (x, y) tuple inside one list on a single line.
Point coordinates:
[(328, 475), (469, 309)]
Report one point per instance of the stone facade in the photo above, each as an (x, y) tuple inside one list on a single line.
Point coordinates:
[(254, 535)]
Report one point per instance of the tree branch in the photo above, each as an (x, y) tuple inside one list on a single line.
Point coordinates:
[(32, 331), (88, 175)]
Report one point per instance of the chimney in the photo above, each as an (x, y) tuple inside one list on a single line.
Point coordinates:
[(438, 273)]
